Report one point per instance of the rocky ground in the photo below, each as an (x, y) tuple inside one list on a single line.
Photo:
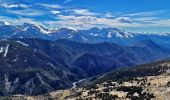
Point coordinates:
[(150, 87)]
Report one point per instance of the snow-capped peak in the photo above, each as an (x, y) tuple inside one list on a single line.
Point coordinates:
[(67, 29), (109, 35), (72, 28), (4, 23), (96, 35), (7, 23), (128, 35), (42, 29), (117, 33)]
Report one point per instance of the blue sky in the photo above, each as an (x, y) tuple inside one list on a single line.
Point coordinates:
[(130, 15)]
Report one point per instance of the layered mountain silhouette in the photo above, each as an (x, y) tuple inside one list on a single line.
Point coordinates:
[(34, 66)]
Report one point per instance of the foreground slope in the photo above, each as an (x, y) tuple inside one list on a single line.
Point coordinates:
[(150, 81)]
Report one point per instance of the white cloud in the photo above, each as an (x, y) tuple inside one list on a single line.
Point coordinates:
[(146, 19), (83, 12), (160, 23), (84, 22), (27, 12), (148, 13), (124, 20), (10, 6), (15, 6), (108, 14), (18, 21), (85, 18), (55, 12), (51, 6)]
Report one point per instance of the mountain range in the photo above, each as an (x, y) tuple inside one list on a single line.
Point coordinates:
[(32, 66), (36, 60), (93, 35)]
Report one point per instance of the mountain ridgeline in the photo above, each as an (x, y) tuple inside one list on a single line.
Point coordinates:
[(93, 35), (34, 66)]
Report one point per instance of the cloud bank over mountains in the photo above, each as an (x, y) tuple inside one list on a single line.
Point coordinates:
[(57, 14)]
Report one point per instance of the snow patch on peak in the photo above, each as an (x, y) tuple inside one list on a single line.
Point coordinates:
[(95, 35), (24, 44), (36, 26), (6, 50), (109, 35), (72, 28), (25, 28), (42, 29), (1, 49), (7, 23), (70, 36), (4, 23), (128, 35), (119, 35)]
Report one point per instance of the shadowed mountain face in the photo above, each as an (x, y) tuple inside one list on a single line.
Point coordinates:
[(128, 74), (35, 66), (144, 82)]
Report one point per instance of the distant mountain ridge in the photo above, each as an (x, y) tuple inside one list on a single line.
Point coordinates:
[(93, 35), (27, 63)]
